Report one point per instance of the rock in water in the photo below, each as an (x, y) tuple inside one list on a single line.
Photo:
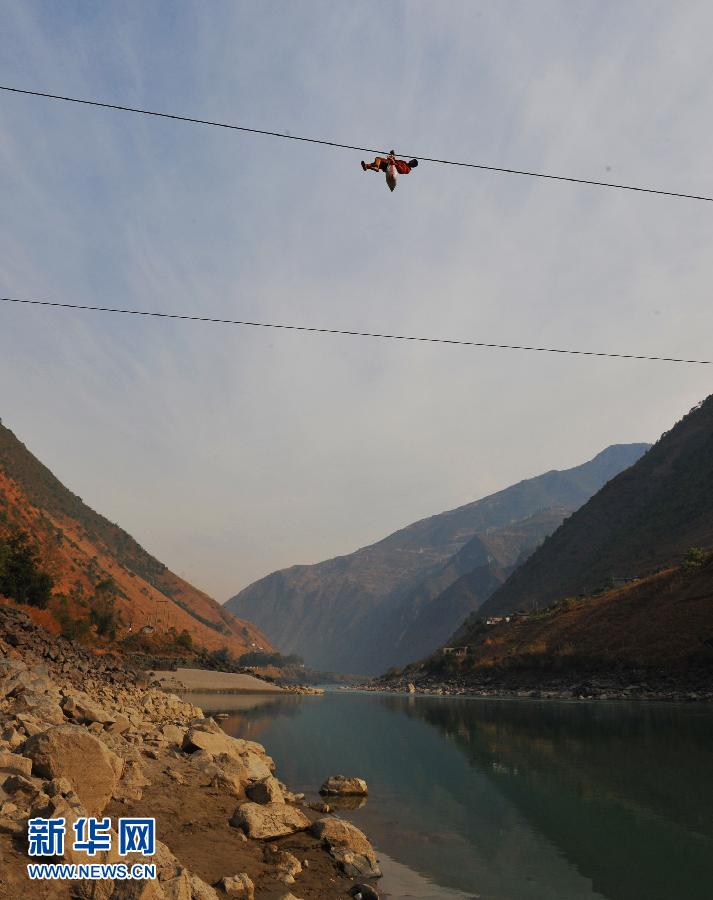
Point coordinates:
[(341, 785), (270, 820), (348, 846), (69, 751)]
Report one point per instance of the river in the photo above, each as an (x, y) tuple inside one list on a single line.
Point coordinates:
[(507, 799)]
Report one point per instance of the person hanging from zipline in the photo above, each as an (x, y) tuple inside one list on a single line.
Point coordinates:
[(391, 167)]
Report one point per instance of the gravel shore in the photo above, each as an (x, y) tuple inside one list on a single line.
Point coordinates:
[(188, 680)]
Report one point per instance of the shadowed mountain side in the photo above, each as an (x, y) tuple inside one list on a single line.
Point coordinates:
[(428, 616), (81, 549), (664, 622), (341, 614), (644, 519)]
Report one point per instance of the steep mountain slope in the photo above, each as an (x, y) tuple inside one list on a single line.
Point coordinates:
[(663, 622), (82, 549), (345, 614), (645, 518), (428, 616)]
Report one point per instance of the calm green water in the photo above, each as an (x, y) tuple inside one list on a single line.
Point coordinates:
[(509, 800)]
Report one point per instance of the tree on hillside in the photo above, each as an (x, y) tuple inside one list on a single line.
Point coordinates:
[(21, 576), (103, 613), (184, 640), (263, 658)]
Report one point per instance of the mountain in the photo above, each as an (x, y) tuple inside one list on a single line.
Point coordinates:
[(427, 616), (643, 520), (352, 613), (657, 631), (82, 551)]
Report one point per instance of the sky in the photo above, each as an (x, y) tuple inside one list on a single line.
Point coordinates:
[(230, 452)]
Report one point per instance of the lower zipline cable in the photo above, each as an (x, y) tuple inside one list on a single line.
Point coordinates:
[(348, 333)]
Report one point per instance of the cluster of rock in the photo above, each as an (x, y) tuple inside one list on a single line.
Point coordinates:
[(688, 685), (77, 733), (302, 689)]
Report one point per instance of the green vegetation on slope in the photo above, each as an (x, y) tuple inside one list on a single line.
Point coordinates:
[(644, 519), (21, 575)]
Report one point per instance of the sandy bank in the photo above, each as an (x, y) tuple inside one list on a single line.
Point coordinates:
[(184, 680)]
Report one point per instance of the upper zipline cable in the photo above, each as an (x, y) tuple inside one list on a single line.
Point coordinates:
[(362, 334), (324, 143)]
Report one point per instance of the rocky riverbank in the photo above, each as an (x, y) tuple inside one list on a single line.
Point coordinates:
[(85, 735), (632, 684)]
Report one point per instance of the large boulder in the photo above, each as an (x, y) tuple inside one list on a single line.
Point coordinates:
[(240, 757), (14, 764), (267, 790), (363, 892), (202, 891), (69, 751), (174, 880), (255, 767), (239, 885), (270, 820), (217, 742), (133, 781), (43, 707), (282, 862), (21, 680), (348, 846), (173, 734), (341, 785), (81, 707)]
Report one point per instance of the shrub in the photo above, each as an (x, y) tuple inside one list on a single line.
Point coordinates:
[(71, 628), (695, 559), (21, 577), (103, 615), (263, 658), (221, 658), (184, 640)]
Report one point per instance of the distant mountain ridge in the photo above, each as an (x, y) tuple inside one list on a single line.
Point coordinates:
[(353, 613), (645, 518), (465, 581), (80, 548)]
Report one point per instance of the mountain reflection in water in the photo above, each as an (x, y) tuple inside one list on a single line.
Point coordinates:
[(506, 799)]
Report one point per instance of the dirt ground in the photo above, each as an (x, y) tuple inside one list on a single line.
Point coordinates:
[(204, 680), (193, 822)]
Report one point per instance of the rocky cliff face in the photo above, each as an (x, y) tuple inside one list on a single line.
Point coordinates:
[(368, 610), (81, 549), (644, 519)]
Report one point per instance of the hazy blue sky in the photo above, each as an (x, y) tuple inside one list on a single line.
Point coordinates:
[(231, 452)]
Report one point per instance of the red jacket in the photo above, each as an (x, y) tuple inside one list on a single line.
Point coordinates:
[(402, 167)]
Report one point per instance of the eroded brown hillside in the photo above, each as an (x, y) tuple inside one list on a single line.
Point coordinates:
[(81, 549), (662, 622)]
